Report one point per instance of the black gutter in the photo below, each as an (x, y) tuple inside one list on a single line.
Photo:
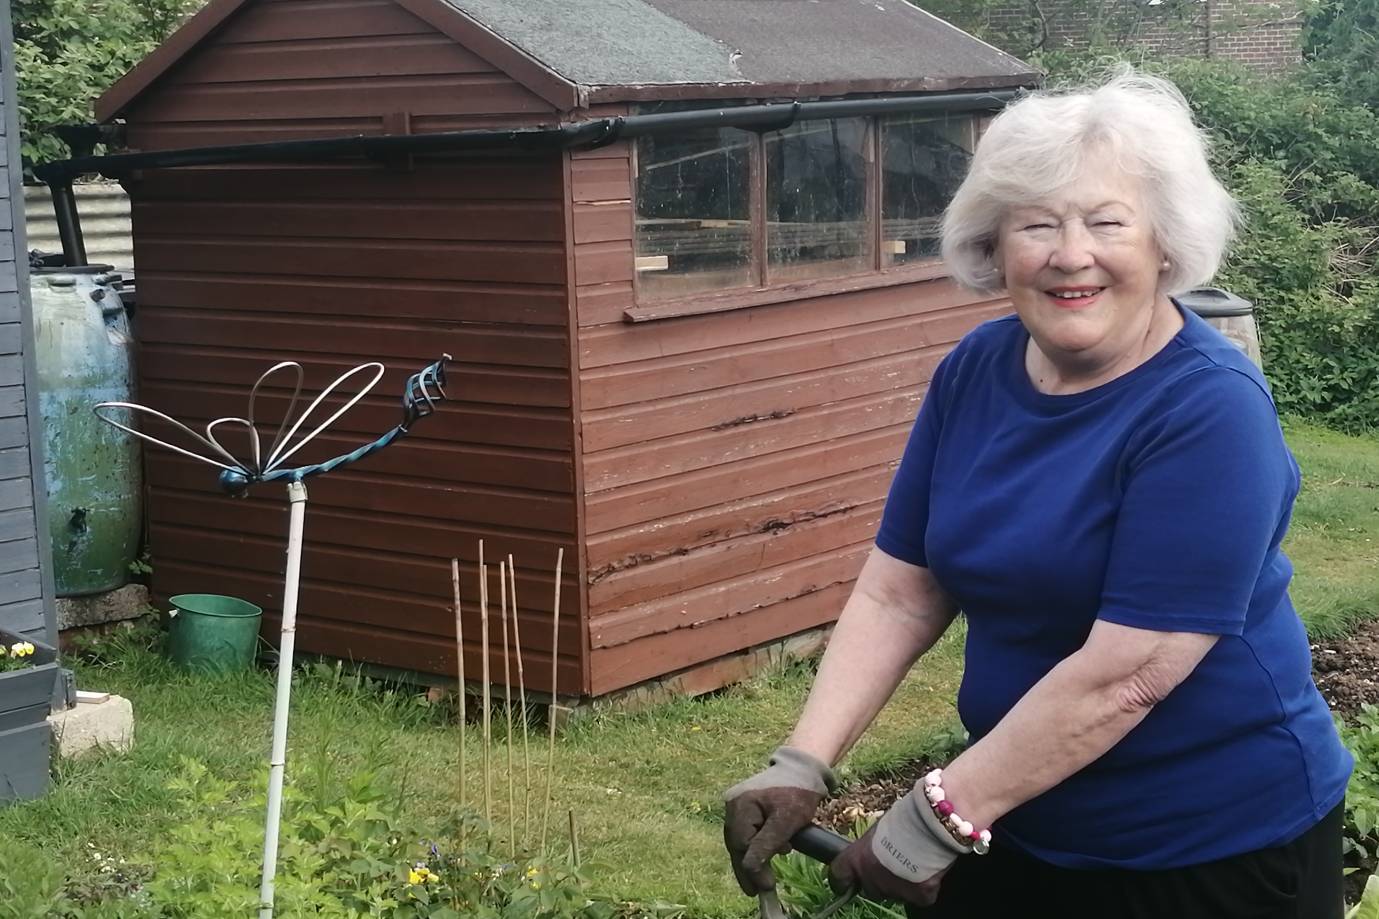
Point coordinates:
[(588, 134)]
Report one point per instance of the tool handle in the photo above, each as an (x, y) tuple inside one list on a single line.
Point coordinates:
[(818, 843)]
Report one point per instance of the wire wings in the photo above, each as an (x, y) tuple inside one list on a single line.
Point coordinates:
[(419, 398)]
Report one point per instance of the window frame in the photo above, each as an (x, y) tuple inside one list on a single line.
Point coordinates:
[(763, 290)]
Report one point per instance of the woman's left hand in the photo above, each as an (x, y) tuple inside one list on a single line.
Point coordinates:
[(858, 867)]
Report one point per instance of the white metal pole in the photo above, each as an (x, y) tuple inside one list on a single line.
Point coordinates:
[(296, 495)]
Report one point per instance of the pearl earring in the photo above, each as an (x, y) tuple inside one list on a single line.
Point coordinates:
[(1164, 266)]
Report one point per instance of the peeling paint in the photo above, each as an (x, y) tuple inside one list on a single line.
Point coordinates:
[(753, 419)]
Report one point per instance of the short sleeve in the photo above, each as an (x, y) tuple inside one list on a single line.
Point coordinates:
[(1208, 487), (905, 518)]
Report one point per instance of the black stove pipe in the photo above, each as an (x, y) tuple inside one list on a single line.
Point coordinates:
[(68, 223)]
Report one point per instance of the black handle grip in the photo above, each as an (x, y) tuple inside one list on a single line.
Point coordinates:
[(818, 843)]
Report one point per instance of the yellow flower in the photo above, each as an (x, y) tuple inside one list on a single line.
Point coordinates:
[(413, 876), (433, 878), (420, 875), (2, 651), (531, 872)]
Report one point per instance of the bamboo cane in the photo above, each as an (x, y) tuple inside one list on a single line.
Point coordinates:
[(277, 758), (522, 695), (507, 704), (459, 659), (550, 718), (488, 721)]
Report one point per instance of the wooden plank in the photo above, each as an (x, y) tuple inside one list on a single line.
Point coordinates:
[(494, 384), (736, 519), (440, 461), (402, 573), (11, 401), (558, 92), (14, 432), (264, 513), (429, 613), (342, 98), (453, 422), (180, 135), (645, 462), (25, 616), (704, 488), (17, 522), (360, 56), (425, 653), (654, 580), (21, 585), (596, 304), (9, 279), (416, 342), (602, 222), (752, 403), (618, 344), (358, 490), (453, 301), (727, 599), (536, 263), (11, 338), (648, 658), (601, 263), (18, 555), (431, 180), (271, 22), (731, 365), (520, 221), (9, 302), (603, 178), (14, 463)]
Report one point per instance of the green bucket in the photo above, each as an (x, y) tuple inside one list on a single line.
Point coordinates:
[(211, 632)]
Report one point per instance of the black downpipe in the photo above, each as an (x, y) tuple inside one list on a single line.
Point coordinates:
[(68, 223), (587, 134)]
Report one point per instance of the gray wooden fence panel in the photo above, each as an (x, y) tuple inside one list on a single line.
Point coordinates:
[(26, 584)]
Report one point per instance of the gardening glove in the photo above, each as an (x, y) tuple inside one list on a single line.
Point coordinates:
[(902, 858), (762, 813)]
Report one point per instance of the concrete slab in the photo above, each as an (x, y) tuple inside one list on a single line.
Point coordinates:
[(128, 602), (86, 726)]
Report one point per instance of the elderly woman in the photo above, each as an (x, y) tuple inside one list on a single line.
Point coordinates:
[(1100, 484)]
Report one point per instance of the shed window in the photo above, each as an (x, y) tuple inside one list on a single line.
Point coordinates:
[(694, 206), (816, 200), (721, 209), (923, 161)]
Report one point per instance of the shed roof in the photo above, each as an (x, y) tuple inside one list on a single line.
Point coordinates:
[(647, 49), (625, 50)]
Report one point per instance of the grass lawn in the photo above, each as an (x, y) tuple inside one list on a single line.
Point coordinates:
[(644, 787)]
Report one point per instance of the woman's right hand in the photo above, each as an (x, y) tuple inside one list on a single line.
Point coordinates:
[(762, 813)]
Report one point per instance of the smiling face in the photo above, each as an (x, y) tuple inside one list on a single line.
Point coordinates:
[(1082, 269)]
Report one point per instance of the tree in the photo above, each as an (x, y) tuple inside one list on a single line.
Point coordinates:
[(68, 52)]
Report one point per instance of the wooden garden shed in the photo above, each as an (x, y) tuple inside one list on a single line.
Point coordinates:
[(685, 261)]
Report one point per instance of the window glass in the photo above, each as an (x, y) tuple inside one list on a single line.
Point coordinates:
[(923, 161), (816, 200), (693, 220)]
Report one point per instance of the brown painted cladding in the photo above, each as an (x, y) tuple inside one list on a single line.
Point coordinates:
[(334, 264), (296, 69), (735, 464), (715, 480)]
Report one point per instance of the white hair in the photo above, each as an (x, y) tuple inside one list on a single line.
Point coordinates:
[(1040, 145)]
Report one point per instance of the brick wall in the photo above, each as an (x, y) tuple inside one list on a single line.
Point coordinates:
[(1263, 34)]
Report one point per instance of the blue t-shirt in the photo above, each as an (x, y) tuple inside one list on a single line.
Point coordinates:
[(1157, 500)]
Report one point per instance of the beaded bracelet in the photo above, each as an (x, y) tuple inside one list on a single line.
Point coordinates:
[(963, 831)]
